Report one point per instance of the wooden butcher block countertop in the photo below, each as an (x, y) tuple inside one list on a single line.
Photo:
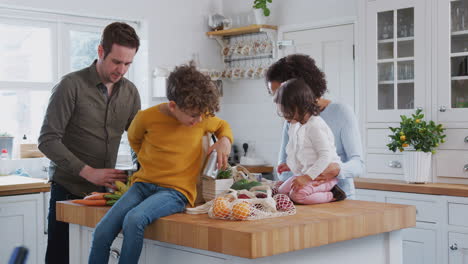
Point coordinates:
[(13, 185), (312, 226), (401, 186)]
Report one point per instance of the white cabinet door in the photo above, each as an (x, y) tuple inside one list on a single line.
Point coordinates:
[(159, 253), (452, 62), (419, 246), (397, 58), (458, 248), (20, 224)]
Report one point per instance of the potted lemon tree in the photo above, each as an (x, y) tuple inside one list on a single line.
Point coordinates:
[(417, 139)]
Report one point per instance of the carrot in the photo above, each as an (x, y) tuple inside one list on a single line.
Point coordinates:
[(90, 202), (96, 196)]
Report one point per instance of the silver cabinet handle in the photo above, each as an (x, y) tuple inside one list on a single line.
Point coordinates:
[(454, 246), (465, 168), (466, 139), (394, 164), (442, 108), (115, 253)]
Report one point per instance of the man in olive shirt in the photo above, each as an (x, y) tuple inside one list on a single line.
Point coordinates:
[(88, 112)]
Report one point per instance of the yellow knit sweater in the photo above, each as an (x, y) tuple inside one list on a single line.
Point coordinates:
[(170, 154)]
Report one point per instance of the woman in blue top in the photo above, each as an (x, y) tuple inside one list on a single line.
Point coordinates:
[(339, 117)]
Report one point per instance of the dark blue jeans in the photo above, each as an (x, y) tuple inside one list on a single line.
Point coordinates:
[(138, 207), (57, 238)]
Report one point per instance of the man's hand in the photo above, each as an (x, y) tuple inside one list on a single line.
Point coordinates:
[(282, 168), (301, 181), (329, 173), (223, 148), (103, 177)]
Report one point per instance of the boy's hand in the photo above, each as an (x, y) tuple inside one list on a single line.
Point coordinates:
[(301, 181), (282, 168), (223, 148)]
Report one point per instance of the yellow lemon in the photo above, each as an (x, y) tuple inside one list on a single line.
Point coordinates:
[(402, 138), (418, 121)]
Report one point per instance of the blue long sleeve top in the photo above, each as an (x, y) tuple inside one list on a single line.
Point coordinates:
[(343, 123)]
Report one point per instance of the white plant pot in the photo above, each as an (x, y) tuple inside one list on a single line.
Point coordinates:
[(417, 166), (260, 18)]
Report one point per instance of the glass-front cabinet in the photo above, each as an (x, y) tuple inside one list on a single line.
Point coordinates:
[(452, 61), (397, 51)]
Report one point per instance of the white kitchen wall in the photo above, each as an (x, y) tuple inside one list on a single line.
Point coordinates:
[(174, 30), (246, 104)]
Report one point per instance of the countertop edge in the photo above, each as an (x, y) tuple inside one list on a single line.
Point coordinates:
[(460, 190)]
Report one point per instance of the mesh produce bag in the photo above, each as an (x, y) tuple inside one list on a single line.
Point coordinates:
[(258, 203)]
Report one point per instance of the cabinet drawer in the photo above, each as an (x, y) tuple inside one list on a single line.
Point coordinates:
[(384, 163), (426, 211), (455, 139), (378, 138), (451, 163), (458, 214)]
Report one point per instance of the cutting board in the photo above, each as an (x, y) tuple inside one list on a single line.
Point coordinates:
[(10, 185)]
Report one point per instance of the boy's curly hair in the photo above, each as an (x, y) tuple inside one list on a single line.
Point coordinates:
[(296, 100), (192, 90), (298, 66)]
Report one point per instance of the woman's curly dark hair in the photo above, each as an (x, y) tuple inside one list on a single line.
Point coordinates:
[(298, 66), (192, 90), (296, 100)]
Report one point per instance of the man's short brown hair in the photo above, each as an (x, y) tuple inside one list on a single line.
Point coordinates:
[(121, 34), (192, 90)]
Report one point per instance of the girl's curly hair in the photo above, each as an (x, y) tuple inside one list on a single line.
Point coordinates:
[(298, 66), (296, 100), (192, 90)]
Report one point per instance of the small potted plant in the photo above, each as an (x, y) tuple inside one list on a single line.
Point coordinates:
[(417, 139), (261, 11)]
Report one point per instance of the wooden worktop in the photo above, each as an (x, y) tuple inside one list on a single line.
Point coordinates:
[(312, 226), (401, 186), (13, 185)]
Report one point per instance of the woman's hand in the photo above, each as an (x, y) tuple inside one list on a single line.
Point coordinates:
[(332, 171), (301, 181), (282, 168), (223, 148)]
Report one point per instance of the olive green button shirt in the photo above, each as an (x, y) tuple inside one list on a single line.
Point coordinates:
[(84, 127)]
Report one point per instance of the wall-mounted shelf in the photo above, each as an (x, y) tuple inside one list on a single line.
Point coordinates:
[(247, 47), (242, 30)]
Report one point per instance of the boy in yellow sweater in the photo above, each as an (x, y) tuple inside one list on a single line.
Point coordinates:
[(168, 141)]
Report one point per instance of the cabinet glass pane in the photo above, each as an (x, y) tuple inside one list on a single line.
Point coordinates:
[(385, 71), (459, 94), (459, 66), (385, 25), (405, 23), (459, 14), (459, 42), (405, 48), (405, 70), (385, 50), (386, 96), (405, 95)]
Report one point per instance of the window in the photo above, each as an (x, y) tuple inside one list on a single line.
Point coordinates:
[(39, 48)]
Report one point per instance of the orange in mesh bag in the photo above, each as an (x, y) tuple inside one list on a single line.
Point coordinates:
[(246, 205)]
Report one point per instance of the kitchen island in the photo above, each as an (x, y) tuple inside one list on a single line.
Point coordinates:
[(341, 232)]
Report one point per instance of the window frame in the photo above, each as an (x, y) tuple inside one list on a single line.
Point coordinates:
[(60, 25)]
